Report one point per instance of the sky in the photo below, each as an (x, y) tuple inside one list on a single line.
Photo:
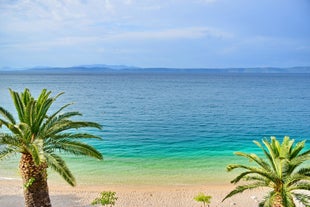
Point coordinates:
[(155, 33)]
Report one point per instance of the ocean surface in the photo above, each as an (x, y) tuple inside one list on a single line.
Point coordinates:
[(171, 128)]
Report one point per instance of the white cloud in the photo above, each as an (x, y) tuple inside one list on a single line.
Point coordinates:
[(207, 1), (43, 45), (80, 41), (67, 17), (128, 2), (166, 34), (35, 15)]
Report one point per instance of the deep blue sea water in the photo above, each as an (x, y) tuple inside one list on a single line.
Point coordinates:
[(173, 128)]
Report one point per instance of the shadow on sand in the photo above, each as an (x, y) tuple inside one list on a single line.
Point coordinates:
[(57, 201)]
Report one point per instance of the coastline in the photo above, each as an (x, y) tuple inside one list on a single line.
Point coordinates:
[(132, 190), (133, 195), (90, 172)]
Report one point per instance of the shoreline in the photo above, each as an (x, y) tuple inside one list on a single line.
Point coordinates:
[(133, 195)]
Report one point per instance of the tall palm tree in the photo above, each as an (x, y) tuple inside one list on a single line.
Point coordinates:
[(38, 136), (284, 169)]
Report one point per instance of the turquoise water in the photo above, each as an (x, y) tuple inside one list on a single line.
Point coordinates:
[(173, 128)]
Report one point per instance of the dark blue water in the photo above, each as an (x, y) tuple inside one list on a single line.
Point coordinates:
[(175, 126)]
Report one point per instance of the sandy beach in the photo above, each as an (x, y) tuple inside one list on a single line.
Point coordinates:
[(11, 195)]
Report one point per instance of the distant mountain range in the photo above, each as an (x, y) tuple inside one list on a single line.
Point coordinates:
[(100, 68)]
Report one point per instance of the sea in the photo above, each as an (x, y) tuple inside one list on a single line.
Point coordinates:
[(170, 128)]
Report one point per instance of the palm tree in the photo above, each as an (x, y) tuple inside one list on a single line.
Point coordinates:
[(38, 137), (283, 170)]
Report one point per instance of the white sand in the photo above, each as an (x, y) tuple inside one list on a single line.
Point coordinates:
[(63, 195)]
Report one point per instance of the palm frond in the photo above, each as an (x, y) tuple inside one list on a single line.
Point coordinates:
[(300, 186), (12, 127), (41, 112), (267, 200), (59, 165), (78, 148), (297, 149), (305, 153), (65, 125), (56, 128), (19, 106), (295, 179), (37, 151), (304, 171), (54, 123), (30, 113), (241, 188), (245, 176), (287, 145), (57, 96), (83, 124), (255, 158), (57, 112), (43, 96), (26, 96), (296, 161), (270, 154), (287, 198), (256, 178), (7, 115), (76, 136), (11, 141), (302, 198), (64, 116), (267, 154), (250, 170), (6, 152)]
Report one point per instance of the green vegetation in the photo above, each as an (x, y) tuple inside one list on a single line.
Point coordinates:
[(38, 136), (29, 183), (282, 169), (205, 199), (105, 198)]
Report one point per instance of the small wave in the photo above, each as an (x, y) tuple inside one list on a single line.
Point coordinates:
[(7, 178)]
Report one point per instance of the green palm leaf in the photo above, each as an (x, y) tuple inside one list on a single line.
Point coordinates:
[(59, 165), (41, 134), (285, 172), (19, 106), (304, 171), (303, 198), (76, 136), (242, 188), (78, 148), (7, 140), (6, 152), (301, 186), (255, 158), (5, 114)]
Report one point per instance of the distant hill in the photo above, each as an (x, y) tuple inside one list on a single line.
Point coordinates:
[(100, 68)]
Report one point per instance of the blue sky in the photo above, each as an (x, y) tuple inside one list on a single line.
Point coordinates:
[(155, 33)]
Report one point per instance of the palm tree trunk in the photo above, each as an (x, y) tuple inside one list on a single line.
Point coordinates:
[(35, 182), (277, 202)]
